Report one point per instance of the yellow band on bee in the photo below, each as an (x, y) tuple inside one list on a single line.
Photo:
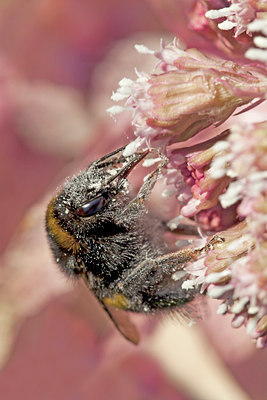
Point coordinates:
[(117, 300), (63, 238)]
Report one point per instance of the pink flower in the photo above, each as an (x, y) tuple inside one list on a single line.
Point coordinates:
[(260, 41), (221, 183), (248, 166), (187, 93), (237, 16), (235, 270), (245, 17), (201, 201), (223, 40)]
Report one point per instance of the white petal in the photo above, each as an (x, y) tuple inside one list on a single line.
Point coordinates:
[(118, 96), (217, 291), (239, 305), (143, 49), (214, 277), (227, 25), (232, 195), (151, 161), (189, 284), (221, 145), (222, 309), (256, 54), (260, 41), (115, 110), (125, 82)]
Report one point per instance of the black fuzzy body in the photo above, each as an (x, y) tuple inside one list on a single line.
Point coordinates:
[(119, 249)]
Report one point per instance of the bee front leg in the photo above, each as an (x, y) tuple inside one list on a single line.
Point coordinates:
[(146, 188)]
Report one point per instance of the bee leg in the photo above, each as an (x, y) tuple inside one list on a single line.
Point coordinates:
[(150, 284), (146, 188), (149, 182), (152, 271)]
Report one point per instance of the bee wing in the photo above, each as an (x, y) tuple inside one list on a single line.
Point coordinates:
[(122, 322), (120, 318)]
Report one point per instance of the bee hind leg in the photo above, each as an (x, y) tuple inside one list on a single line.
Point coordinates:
[(151, 284)]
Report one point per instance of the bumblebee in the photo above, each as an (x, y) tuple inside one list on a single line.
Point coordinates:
[(100, 231)]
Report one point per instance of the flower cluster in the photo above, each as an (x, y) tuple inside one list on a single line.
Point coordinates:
[(235, 270), (187, 93), (224, 187), (237, 16), (191, 171), (245, 16), (220, 183)]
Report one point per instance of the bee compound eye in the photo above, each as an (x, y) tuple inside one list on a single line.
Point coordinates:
[(92, 207)]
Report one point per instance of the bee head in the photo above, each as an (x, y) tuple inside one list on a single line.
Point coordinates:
[(93, 197)]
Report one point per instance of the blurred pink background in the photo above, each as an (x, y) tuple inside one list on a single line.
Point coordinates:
[(59, 62)]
